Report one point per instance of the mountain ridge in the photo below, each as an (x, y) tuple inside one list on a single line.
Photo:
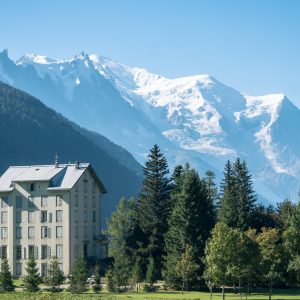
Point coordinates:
[(194, 118)]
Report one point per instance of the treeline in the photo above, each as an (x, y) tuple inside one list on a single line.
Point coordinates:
[(181, 230)]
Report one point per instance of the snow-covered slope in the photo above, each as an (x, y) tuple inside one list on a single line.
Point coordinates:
[(196, 118)]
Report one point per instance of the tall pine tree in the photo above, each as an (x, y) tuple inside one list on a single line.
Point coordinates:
[(6, 282), (189, 224), (33, 278), (154, 206), (237, 201)]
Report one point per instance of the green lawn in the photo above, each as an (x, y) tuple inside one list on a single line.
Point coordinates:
[(278, 295)]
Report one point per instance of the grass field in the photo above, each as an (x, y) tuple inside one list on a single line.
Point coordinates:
[(278, 295)]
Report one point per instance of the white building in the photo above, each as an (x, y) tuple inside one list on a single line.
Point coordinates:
[(49, 210)]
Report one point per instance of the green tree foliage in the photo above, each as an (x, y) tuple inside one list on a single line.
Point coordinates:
[(79, 276), (211, 186), (32, 279), (110, 281), (186, 266), (97, 286), (137, 275), (189, 224), (237, 200), (151, 272), (55, 275), (6, 282), (120, 230), (154, 206), (271, 252)]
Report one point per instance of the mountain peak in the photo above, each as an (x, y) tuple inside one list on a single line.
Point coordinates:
[(35, 58)]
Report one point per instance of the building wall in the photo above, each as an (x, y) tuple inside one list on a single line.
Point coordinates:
[(71, 244)]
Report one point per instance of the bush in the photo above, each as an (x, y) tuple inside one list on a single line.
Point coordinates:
[(149, 288)]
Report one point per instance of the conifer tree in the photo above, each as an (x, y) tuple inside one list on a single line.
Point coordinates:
[(151, 273), (55, 275), (79, 276), (137, 275), (32, 279), (154, 206), (97, 286), (110, 281), (189, 224), (6, 282), (237, 203)]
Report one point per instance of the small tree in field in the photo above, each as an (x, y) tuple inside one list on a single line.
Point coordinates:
[(137, 275), (111, 286), (32, 279), (97, 287), (79, 276), (186, 266), (151, 272), (55, 275), (6, 282)]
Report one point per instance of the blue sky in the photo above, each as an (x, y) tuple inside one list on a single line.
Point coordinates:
[(252, 45)]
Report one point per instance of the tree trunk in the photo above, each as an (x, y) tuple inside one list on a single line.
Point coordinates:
[(210, 288), (240, 291), (223, 293), (234, 289), (182, 288), (270, 292)]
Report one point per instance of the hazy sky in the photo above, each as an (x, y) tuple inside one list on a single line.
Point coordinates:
[(252, 45)]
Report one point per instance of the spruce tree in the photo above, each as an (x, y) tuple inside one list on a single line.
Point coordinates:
[(97, 286), (137, 275), (154, 206), (79, 275), (189, 224), (55, 275), (6, 282), (32, 279), (237, 202)]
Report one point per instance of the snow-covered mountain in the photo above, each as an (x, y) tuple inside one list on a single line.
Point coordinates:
[(196, 119)]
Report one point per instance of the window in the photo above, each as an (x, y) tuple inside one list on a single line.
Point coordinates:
[(85, 216), (30, 216), (58, 231), (30, 232), (59, 253), (25, 252), (76, 187), (94, 201), (93, 188), (4, 232), (76, 200), (49, 232), (59, 215), (58, 201), (3, 252), (44, 231), (32, 187), (44, 251), (18, 269), (31, 251), (94, 217), (85, 201), (4, 202), (85, 185), (76, 216), (76, 232), (44, 200), (76, 250), (19, 232), (85, 232), (3, 217), (44, 269), (18, 216), (43, 216), (19, 252), (19, 201), (30, 202)]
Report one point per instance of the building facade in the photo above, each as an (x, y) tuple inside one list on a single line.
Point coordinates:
[(49, 211)]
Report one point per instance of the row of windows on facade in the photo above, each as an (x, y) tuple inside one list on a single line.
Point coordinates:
[(44, 216), (45, 232), (43, 270), (43, 201), (31, 250)]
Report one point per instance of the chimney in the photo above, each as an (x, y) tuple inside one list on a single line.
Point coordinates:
[(56, 161), (77, 165)]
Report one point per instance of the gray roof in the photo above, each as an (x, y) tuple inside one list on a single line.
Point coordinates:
[(61, 177)]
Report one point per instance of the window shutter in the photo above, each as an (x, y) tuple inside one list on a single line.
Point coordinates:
[(41, 252), (1, 250), (49, 232), (41, 217), (49, 251), (50, 217), (24, 252), (36, 252)]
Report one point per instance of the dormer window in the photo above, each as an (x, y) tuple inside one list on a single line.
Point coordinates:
[(32, 187)]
